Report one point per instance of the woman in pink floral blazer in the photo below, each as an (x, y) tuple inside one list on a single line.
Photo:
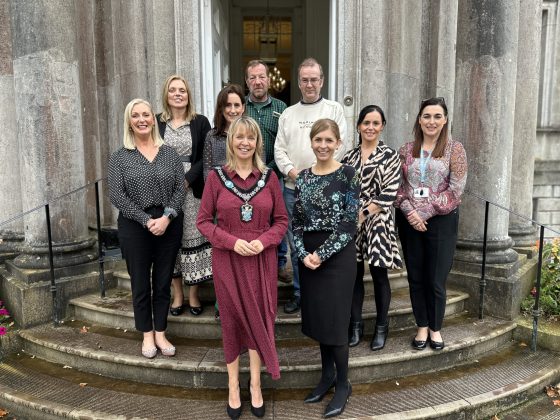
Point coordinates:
[(434, 173)]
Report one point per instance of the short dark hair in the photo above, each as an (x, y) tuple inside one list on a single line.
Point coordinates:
[(254, 63)]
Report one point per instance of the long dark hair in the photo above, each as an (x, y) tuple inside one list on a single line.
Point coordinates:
[(220, 122), (419, 135), (366, 110)]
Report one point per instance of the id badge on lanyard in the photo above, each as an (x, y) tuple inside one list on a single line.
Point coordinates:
[(423, 192)]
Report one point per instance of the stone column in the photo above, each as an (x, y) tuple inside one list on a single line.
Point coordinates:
[(485, 89), (441, 51), (405, 70), (160, 45), (347, 61), (525, 128), (11, 234), (187, 51), (48, 112), (372, 71)]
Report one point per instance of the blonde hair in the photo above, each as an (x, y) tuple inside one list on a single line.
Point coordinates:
[(251, 126), (190, 113), (128, 135)]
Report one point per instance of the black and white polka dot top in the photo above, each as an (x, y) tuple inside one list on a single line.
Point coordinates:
[(136, 184)]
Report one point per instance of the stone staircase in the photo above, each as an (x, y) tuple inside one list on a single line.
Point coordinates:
[(91, 366)]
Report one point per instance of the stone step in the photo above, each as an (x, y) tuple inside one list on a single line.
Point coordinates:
[(115, 310), (31, 388), (199, 363), (397, 278)]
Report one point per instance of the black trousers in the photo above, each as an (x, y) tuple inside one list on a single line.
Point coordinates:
[(428, 257), (150, 261)]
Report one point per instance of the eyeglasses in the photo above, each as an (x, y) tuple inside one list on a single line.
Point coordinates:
[(437, 99), (313, 81)]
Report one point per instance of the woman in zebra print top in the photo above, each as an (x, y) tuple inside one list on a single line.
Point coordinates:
[(376, 242)]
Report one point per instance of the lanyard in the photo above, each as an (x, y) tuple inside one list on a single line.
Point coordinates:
[(424, 165)]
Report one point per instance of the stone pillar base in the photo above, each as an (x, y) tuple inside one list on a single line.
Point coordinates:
[(67, 254), (28, 292), (11, 244), (524, 236), (506, 285), (497, 252)]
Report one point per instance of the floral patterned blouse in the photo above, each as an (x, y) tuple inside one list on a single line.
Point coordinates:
[(445, 177), (326, 203)]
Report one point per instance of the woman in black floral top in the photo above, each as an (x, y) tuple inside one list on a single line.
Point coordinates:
[(324, 225)]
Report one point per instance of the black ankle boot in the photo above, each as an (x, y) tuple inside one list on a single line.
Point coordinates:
[(356, 333), (379, 337)]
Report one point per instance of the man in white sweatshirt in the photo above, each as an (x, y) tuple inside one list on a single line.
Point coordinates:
[(292, 149)]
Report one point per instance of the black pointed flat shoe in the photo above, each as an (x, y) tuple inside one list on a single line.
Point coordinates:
[(177, 311), (315, 398), (419, 344), (437, 345), (196, 310)]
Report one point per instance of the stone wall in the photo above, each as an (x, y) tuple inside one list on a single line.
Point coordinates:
[(546, 195)]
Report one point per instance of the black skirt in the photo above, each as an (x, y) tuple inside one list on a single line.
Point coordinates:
[(326, 293)]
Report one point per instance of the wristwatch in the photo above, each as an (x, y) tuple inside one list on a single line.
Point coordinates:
[(365, 212), (169, 214)]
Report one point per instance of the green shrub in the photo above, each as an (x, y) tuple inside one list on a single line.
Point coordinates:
[(550, 283)]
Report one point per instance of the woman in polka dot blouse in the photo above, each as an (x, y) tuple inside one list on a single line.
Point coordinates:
[(146, 185)]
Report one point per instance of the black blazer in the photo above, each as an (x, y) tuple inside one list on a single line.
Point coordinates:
[(199, 128)]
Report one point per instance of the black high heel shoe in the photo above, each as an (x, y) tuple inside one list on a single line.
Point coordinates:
[(333, 411), (234, 413), (315, 398), (356, 333), (257, 411)]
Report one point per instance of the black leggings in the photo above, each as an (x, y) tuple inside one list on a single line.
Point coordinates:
[(381, 289)]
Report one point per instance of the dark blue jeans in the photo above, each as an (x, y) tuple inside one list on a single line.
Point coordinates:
[(289, 199)]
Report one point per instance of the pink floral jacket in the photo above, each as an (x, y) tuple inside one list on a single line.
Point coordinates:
[(445, 177)]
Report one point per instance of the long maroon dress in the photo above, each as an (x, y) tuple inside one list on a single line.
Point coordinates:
[(245, 286)]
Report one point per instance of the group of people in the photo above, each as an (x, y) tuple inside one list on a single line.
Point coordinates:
[(198, 203)]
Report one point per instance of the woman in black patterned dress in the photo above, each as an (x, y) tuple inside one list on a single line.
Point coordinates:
[(324, 225), (376, 242), (185, 130)]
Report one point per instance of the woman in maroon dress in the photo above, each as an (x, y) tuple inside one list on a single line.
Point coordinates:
[(245, 200)]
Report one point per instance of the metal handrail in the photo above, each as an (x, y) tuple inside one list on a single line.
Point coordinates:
[(101, 256), (536, 312)]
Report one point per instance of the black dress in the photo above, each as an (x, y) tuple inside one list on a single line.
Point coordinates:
[(324, 221)]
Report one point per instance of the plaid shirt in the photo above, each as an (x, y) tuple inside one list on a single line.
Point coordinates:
[(267, 118)]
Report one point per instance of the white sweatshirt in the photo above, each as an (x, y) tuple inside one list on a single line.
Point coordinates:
[(292, 148)]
